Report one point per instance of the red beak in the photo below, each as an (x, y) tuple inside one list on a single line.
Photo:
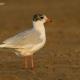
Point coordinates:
[(48, 20)]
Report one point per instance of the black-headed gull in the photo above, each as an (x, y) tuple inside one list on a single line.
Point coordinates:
[(28, 42)]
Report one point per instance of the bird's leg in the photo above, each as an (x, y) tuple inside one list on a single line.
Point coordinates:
[(25, 62), (29, 61), (32, 62)]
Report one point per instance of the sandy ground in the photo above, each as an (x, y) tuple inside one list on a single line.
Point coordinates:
[(60, 58)]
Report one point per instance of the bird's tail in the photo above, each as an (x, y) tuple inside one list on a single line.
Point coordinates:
[(2, 45)]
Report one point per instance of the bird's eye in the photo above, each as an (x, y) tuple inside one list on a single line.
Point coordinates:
[(41, 17)]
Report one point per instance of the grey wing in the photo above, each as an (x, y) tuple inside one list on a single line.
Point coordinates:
[(16, 37), (24, 39)]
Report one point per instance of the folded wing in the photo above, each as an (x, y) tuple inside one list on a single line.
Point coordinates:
[(24, 39)]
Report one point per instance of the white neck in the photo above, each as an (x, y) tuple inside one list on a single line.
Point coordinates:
[(39, 26)]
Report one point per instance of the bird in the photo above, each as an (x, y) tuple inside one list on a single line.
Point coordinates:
[(26, 43)]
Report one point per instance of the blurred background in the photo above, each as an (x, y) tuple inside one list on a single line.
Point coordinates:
[(60, 58)]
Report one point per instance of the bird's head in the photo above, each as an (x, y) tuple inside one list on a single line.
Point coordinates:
[(41, 18)]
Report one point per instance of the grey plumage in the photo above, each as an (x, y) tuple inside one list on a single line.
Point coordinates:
[(26, 38)]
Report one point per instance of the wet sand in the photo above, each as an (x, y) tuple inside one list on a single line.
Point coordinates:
[(60, 58)]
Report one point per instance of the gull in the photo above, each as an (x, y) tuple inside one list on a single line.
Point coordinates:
[(29, 41)]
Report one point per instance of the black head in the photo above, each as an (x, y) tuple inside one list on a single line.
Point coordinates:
[(37, 17)]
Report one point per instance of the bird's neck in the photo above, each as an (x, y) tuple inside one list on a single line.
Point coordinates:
[(39, 26)]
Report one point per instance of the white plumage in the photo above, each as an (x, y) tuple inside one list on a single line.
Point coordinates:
[(28, 42)]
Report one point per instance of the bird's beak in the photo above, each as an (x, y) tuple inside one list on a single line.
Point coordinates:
[(48, 20)]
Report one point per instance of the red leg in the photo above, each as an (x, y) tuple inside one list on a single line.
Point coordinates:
[(29, 61), (25, 62), (32, 61)]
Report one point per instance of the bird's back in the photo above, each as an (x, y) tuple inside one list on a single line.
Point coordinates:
[(22, 39)]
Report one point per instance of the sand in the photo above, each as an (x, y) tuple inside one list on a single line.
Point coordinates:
[(60, 57)]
